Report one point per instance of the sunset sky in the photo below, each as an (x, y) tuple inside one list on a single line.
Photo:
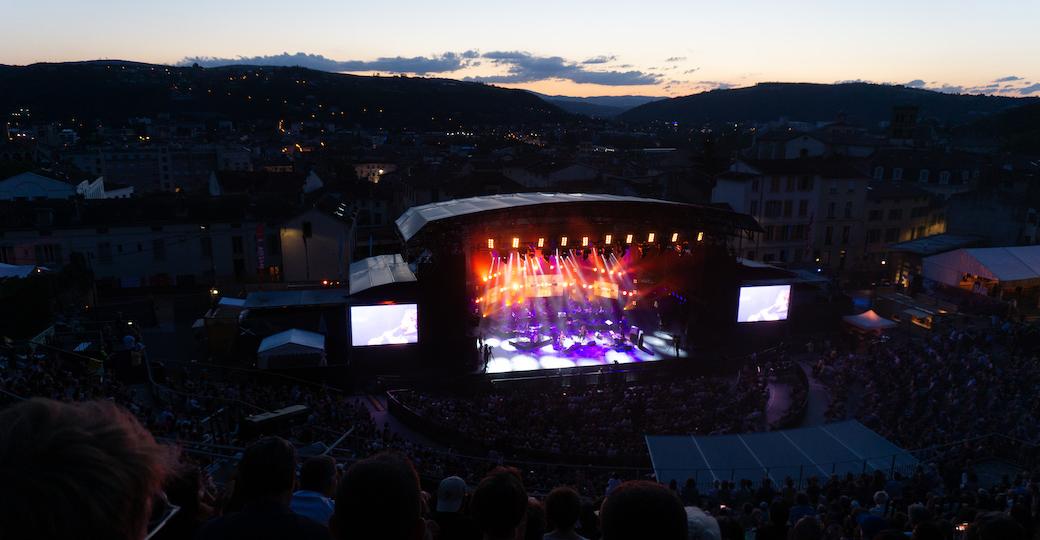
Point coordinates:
[(562, 46)]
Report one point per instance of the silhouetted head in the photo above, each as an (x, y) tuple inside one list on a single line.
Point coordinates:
[(500, 503), (640, 509), (379, 497)]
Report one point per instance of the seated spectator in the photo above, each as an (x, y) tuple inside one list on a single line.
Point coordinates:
[(318, 479), (264, 486), (379, 498), (994, 526), (701, 526), (452, 522), (806, 528), (500, 504), (85, 470), (776, 527), (562, 508), (639, 510), (880, 508)]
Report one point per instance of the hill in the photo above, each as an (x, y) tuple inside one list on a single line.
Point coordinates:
[(863, 103), (597, 106), (117, 90), (1017, 129)]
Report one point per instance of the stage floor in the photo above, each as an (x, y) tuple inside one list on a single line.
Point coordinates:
[(510, 355)]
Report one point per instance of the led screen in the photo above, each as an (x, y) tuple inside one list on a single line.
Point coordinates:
[(766, 303), (384, 324)]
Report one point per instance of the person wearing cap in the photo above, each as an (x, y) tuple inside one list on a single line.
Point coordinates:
[(318, 480), (453, 523)]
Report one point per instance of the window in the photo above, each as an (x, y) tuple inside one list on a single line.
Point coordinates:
[(897, 173), (944, 177), (754, 185), (159, 249), (892, 235), (788, 208), (828, 235), (104, 250), (7, 254), (798, 233), (919, 211), (830, 210), (879, 173), (922, 176), (851, 187), (772, 209), (48, 253), (783, 232), (768, 235), (754, 208), (848, 209), (965, 176), (750, 256), (874, 215), (274, 245), (236, 245), (845, 235), (895, 213), (873, 236), (833, 188), (206, 247), (803, 208), (805, 183), (783, 252), (920, 231), (791, 183), (774, 184)]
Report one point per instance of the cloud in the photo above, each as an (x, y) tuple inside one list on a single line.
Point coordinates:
[(600, 59), (916, 83), (1031, 89), (524, 67), (715, 85), (1009, 78), (689, 71), (676, 59), (443, 63)]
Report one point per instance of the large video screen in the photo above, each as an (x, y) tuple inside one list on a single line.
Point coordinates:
[(764, 303), (387, 324)]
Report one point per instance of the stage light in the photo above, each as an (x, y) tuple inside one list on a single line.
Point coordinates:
[(584, 241), (491, 243), (516, 242), (607, 239), (700, 236), (541, 242), (628, 238), (675, 237), (650, 237), (563, 241)]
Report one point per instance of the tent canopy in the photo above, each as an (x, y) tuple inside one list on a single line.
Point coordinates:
[(818, 451), (292, 341), (1017, 264), (379, 270), (869, 320)]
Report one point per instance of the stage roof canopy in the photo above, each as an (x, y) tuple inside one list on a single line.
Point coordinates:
[(869, 320), (799, 453), (414, 219), (294, 339), (379, 270), (1018, 264), (309, 297)]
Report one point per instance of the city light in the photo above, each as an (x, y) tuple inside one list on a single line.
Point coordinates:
[(700, 236), (563, 241), (628, 238), (516, 242), (584, 241), (541, 242), (675, 237), (650, 237), (607, 239), (491, 243)]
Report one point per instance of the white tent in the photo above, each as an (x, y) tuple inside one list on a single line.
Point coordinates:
[(18, 271), (869, 321), (291, 348), (379, 270), (1018, 265)]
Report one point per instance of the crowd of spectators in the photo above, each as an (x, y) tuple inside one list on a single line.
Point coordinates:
[(602, 421)]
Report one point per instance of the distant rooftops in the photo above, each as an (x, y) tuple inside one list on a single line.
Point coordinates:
[(938, 243)]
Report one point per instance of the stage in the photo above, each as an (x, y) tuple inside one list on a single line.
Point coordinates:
[(507, 357)]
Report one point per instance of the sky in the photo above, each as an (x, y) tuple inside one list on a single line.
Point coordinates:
[(577, 48)]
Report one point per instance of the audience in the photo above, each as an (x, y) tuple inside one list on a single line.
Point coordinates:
[(452, 522), (82, 470), (562, 510), (379, 499), (318, 479), (500, 504), (637, 510), (262, 491)]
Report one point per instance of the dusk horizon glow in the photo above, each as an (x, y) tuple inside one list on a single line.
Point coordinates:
[(663, 49)]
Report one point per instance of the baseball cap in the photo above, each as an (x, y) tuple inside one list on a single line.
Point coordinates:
[(450, 494)]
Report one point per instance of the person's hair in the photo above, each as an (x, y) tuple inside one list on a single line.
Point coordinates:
[(83, 470), (500, 502), (801, 498), (562, 508), (701, 526), (639, 509), (378, 497), (534, 522), (994, 526), (779, 512), (318, 474), (927, 530), (807, 528), (267, 470)]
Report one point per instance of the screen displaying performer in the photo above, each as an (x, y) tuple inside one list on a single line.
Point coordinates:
[(765, 303), (387, 324)]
